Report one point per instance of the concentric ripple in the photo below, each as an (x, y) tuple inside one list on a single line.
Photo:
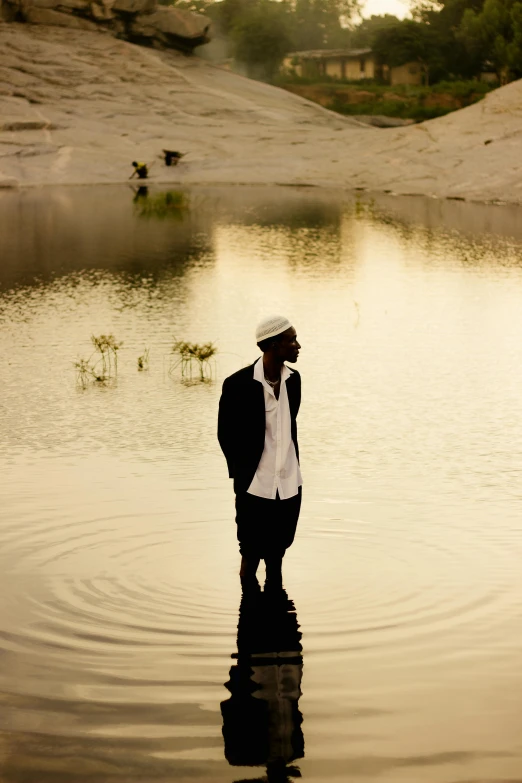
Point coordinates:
[(118, 558)]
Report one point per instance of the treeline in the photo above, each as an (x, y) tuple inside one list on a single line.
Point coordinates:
[(258, 34), (451, 40)]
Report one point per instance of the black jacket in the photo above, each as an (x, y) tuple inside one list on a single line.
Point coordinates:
[(241, 422)]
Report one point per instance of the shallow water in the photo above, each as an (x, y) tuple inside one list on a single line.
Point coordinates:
[(396, 654)]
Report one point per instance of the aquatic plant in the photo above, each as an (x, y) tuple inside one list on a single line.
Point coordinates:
[(187, 355), (87, 373), (107, 346), (143, 360), (170, 205), (101, 370)]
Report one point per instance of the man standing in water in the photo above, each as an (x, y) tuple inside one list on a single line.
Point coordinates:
[(257, 432)]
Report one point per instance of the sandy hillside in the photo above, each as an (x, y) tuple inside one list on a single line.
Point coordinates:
[(78, 107)]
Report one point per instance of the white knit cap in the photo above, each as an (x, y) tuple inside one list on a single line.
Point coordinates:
[(271, 326)]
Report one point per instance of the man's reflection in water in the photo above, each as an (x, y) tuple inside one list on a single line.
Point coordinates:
[(261, 719)]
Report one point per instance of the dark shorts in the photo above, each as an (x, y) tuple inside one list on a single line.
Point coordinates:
[(266, 528)]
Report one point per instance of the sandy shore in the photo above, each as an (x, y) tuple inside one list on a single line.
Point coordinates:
[(77, 107)]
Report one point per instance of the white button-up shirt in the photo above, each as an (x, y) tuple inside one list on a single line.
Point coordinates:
[(278, 469)]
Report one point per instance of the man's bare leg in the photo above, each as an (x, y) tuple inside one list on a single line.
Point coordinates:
[(274, 576), (249, 566)]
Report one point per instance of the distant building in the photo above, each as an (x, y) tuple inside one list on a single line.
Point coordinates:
[(335, 63), (352, 65), (409, 73)]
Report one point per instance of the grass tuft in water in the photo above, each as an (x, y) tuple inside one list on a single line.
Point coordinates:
[(107, 346), (102, 369), (87, 373), (143, 360), (188, 356)]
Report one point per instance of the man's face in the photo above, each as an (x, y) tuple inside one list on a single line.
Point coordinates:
[(288, 347)]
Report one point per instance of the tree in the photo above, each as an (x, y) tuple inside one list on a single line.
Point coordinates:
[(228, 12), (321, 24), (364, 34), (455, 60), (259, 33), (403, 42), (261, 37), (494, 35)]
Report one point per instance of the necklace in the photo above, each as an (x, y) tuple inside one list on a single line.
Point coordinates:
[(272, 383)]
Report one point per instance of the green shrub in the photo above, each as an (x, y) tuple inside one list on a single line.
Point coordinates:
[(463, 89), (404, 101), (398, 109)]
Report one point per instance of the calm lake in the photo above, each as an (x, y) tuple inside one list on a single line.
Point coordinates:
[(395, 654)]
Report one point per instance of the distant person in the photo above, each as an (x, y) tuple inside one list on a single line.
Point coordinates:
[(257, 432), (172, 158), (141, 169)]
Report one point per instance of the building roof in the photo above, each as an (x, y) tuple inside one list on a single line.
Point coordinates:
[(326, 54)]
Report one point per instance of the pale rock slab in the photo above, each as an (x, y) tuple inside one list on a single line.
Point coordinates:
[(105, 102)]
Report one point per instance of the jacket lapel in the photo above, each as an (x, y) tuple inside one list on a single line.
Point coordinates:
[(256, 389), (291, 390), (258, 396)]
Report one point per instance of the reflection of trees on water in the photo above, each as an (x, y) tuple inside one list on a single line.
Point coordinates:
[(448, 216), (97, 231), (261, 719), (305, 232), (168, 205), (45, 236), (294, 215), (445, 231), (145, 235)]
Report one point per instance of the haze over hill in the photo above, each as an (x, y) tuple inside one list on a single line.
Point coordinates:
[(78, 106)]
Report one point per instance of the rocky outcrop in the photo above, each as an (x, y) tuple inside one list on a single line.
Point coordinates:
[(140, 21), (169, 26), (48, 16), (78, 107)]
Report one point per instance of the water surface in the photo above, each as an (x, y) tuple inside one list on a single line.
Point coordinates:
[(395, 654)]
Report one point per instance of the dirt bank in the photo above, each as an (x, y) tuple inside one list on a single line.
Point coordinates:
[(405, 101), (79, 106)]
